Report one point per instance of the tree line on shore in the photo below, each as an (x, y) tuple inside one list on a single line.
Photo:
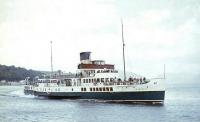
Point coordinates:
[(12, 73)]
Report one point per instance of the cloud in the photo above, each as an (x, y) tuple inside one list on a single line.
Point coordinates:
[(155, 33), (32, 24)]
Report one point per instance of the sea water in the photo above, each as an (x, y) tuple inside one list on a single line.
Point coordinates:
[(182, 104)]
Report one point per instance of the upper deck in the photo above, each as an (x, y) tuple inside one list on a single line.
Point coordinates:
[(87, 63), (95, 66)]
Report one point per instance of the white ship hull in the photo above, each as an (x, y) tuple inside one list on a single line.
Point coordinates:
[(150, 92)]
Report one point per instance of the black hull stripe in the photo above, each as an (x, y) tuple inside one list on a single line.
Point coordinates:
[(109, 96)]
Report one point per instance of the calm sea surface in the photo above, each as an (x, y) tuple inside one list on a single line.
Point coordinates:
[(182, 104)]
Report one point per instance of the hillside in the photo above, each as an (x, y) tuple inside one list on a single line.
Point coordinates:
[(12, 73)]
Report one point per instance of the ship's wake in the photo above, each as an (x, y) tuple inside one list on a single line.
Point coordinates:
[(13, 91), (20, 93)]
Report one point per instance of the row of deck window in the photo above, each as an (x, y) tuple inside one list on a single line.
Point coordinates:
[(98, 89), (47, 89), (82, 89), (102, 80), (101, 71)]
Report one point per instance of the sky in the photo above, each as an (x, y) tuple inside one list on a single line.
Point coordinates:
[(156, 32)]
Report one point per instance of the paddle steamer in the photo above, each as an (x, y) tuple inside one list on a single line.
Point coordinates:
[(96, 80)]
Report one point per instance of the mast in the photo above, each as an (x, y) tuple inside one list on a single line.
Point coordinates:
[(123, 52), (51, 60)]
